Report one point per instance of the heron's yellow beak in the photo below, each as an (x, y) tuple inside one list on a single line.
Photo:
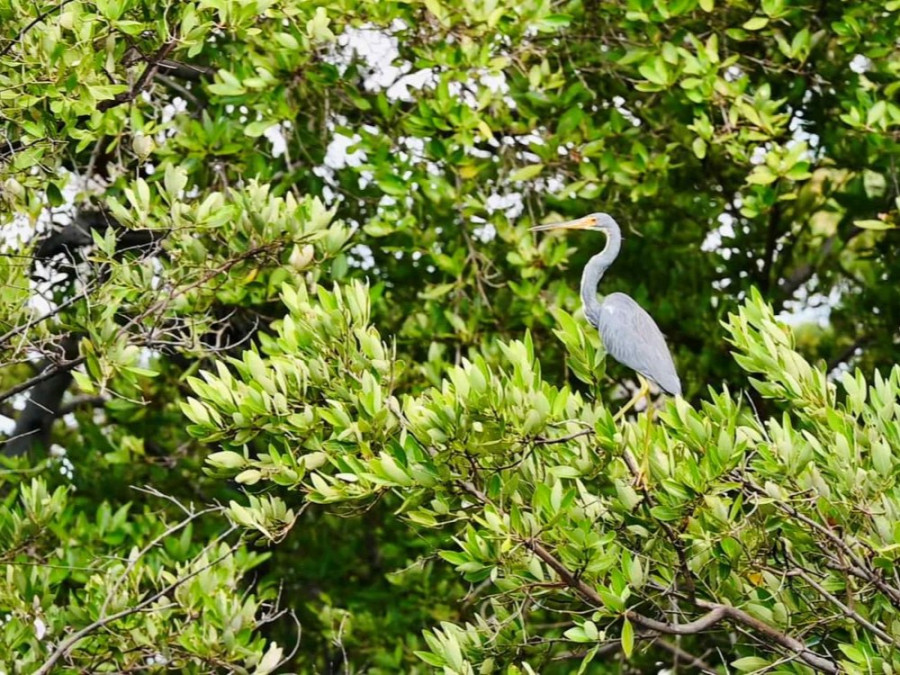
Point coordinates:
[(585, 223)]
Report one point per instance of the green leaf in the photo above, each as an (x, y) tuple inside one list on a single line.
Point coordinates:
[(248, 477), (576, 634), (762, 175), (749, 664), (54, 195), (555, 21), (799, 171), (876, 113), (256, 129), (665, 513), (287, 41), (175, 179), (756, 23), (874, 224), (853, 653), (611, 600), (655, 71), (627, 638), (699, 148), (588, 658), (526, 172), (270, 660), (143, 372), (226, 459), (437, 9), (392, 185), (228, 85), (318, 29)]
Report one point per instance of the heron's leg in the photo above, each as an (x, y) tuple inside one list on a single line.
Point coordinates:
[(639, 470), (648, 447), (641, 393)]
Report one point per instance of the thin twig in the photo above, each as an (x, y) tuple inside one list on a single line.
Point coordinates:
[(848, 611), (687, 657), (672, 536), (563, 439)]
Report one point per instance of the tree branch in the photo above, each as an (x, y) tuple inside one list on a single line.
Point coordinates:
[(563, 439), (185, 71), (50, 371), (149, 71)]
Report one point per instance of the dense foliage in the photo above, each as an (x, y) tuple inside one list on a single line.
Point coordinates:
[(290, 384)]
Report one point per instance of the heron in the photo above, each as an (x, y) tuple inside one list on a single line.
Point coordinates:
[(629, 333)]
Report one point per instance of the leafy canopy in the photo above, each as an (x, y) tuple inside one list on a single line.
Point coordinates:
[(191, 196)]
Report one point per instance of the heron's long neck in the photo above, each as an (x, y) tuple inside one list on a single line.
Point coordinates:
[(594, 270)]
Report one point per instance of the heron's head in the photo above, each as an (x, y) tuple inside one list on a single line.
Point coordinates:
[(596, 221)]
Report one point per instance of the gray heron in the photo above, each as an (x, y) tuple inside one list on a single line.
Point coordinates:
[(629, 333)]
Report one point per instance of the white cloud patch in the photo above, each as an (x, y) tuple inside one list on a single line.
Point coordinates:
[(485, 233), (275, 134), (378, 51), (715, 238), (421, 79), (511, 204), (860, 64), (338, 154), (361, 256), (810, 305)]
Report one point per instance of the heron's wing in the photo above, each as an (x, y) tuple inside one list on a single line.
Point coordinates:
[(632, 338)]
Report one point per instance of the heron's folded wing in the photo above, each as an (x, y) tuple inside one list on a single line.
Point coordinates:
[(632, 338)]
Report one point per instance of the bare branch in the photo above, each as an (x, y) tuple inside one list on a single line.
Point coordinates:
[(185, 71), (715, 615), (46, 374)]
